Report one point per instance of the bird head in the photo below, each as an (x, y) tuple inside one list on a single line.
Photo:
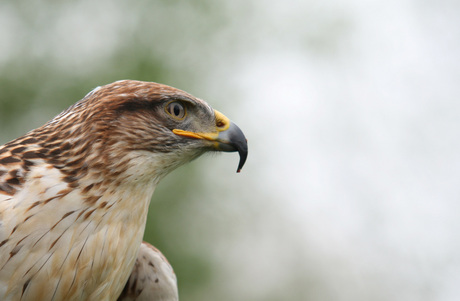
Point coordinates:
[(127, 121)]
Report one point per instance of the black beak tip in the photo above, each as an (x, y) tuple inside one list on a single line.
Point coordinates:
[(233, 140), (243, 152)]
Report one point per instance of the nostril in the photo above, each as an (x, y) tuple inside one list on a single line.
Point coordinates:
[(220, 124)]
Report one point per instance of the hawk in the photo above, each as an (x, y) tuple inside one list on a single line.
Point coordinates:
[(74, 193)]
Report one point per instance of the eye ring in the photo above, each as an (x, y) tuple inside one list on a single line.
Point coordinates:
[(176, 110)]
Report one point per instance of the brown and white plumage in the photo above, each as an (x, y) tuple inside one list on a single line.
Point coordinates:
[(152, 278), (74, 193)]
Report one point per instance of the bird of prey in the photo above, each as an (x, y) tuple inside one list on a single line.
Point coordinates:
[(152, 278), (74, 193)]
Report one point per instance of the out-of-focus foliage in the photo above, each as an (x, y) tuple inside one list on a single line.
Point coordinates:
[(51, 63)]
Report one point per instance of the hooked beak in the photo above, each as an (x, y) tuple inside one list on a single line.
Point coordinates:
[(227, 138)]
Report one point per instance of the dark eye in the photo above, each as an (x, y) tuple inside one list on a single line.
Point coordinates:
[(176, 110)]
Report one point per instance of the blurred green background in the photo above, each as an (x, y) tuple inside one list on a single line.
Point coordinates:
[(54, 52), (60, 50), (351, 109)]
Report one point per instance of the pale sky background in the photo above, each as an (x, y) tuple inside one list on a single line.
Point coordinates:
[(358, 136), (351, 190)]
